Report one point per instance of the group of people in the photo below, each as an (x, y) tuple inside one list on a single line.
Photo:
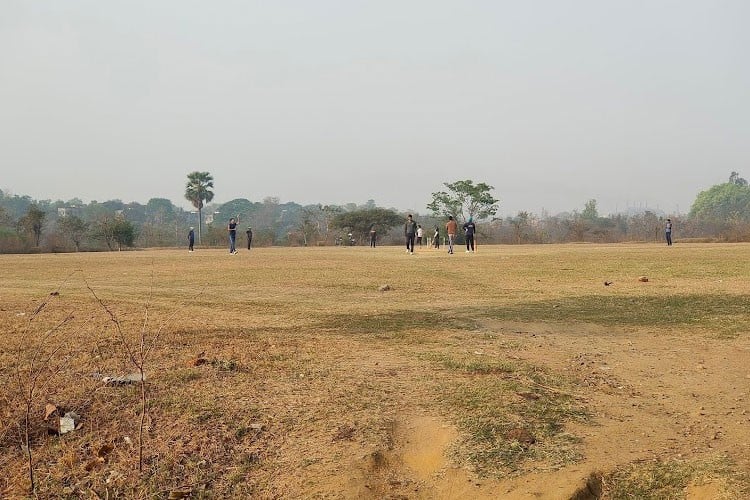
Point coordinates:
[(232, 231), (414, 231)]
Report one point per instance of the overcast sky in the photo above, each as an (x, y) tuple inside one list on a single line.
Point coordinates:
[(631, 103)]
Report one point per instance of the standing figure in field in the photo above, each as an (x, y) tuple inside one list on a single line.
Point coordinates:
[(410, 232), (469, 229), (451, 227), (191, 239), (373, 236), (232, 230), (249, 234), (420, 235), (436, 237), (668, 232)]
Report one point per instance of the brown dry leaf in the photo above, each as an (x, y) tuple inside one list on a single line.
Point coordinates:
[(49, 410)]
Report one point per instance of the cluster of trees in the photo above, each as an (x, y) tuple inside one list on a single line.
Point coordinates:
[(30, 225), (720, 213)]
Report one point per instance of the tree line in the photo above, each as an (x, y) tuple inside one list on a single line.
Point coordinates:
[(720, 213)]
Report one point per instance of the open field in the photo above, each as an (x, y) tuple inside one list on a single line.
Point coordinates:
[(287, 373)]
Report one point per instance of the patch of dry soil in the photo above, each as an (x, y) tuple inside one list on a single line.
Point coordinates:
[(652, 397)]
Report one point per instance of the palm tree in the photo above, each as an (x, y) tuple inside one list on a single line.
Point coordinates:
[(198, 192)]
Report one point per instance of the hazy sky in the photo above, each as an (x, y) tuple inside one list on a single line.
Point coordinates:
[(551, 102)]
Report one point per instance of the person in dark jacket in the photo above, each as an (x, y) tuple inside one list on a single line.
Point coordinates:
[(410, 231), (232, 230), (668, 232), (469, 229), (191, 239), (249, 234)]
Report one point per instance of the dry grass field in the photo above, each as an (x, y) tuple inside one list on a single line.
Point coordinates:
[(513, 373)]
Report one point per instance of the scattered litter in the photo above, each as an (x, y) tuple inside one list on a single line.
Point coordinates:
[(128, 440), (643, 279), (56, 424), (69, 422), (54, 294), (385, 288), (607, 283), (21, 314), (257, 427)]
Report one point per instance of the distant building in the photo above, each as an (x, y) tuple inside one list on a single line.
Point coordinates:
[(68, 211)]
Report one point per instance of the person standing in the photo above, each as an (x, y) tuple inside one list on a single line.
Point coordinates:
[(451, 228), (249, 234), (373, 236), (232, 229), (436, 237), (420, 235), (668, 232), (191, 239), (469, 229), (410, 231)]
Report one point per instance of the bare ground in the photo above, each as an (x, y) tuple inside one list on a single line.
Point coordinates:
[(653, 397), (293, 403)]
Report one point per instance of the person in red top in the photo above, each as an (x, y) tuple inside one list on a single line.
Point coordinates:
[(451, 228)]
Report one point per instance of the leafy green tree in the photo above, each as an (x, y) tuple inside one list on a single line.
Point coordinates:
[(32, 222), (464, 199), (590, 212), (15, 205), (5, 218), (735, 178), (241, 208), (160, 211), (198, 192), (360, 221), (73, 228), (123, 232), (727, 201), (115, 232)]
